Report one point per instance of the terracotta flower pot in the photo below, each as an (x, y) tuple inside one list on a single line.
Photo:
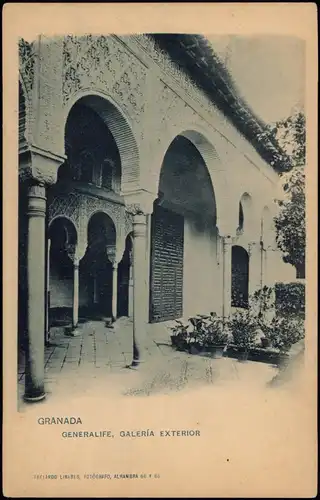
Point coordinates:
[(195, 348), (265, 342), (216, 351), (243, 354)]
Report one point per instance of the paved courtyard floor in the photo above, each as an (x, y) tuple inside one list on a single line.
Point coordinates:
[(95, 363)]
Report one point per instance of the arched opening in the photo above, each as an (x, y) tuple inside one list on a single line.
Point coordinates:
[(92, 153), (241, 217), (125, 280), (95, 272), (240, 277), (63, 238), (183, 235), (245, 213)]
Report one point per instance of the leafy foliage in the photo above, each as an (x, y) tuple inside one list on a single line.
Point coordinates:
[(284, 331), (243, 326), (290, 134), (203, 330), (290, 298)]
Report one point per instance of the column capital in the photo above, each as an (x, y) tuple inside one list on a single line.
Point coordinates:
[(227, 240), (37, 200), (226, 232), (39, 165), (76, 252), (139, 202)]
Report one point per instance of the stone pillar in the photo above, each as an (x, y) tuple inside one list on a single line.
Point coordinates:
[(227, 277), (148, 256), (36, 263), (75, 304), (255, 267), (47, 292), (139, 204), (130, 292), (114, 291), (139, 277), (268, 254)]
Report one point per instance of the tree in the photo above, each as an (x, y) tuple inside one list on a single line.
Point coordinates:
[(290, 135)]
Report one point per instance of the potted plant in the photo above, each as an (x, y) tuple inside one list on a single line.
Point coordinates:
[(179, 335), (243, 327), (282, 333), (217, 338)]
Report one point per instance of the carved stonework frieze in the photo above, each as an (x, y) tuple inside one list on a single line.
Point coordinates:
[(66, 205), (128, 223), (49, 131), (162, 59), (113, 210), (27, 63), (103, 63), (134, 209)]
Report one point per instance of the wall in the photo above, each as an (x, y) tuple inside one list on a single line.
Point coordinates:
[(201, 280)]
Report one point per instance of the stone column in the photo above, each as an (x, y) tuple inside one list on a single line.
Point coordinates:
[(75, 252), (268, 256), (114, 291), (36, 262), (130, 292), (75, 304), (139, 277), (255, 267), (148, 256), (47, 292), (227, 277)]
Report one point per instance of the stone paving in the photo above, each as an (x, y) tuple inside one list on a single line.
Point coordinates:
[(95, 363)]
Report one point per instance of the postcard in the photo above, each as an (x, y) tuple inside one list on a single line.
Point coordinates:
[(160, 293)]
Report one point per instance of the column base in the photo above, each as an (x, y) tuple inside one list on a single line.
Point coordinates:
[(72, 331), (135, 364), (34, 399)]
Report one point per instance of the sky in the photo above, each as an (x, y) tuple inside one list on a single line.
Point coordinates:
[(269, 72)]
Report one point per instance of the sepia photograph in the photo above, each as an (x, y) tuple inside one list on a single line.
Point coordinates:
[(161, 247), (146, 236)]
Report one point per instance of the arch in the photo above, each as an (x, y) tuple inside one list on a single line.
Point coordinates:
[(68, 228), (96, 267), (63, 237), (198, 137), (246, 211), (240, 277), (120, 128), (102, 225)]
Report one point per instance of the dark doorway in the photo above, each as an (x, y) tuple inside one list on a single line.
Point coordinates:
[(240, 277)]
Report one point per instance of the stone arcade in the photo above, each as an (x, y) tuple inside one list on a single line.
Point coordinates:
[(145, 189)]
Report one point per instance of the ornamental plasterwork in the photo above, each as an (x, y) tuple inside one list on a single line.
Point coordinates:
[(49, 130), (65, 205), (203, 105), (162, 59), (26, 64), (127, 223), (79, 209), (103, 63)]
